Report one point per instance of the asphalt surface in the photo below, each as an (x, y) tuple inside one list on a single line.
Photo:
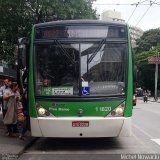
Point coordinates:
[(145, 141)]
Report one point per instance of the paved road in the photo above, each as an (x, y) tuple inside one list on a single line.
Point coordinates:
[(145, 140)]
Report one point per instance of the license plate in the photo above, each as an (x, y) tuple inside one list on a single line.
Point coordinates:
[(80, 124)]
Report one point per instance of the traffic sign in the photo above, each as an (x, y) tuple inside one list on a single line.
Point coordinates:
[(85, 91), (154, 60)]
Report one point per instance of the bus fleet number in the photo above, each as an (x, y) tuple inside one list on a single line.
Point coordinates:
[(103, 109)]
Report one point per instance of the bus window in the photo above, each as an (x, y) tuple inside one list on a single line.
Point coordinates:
[(54, 65), (106, 71)]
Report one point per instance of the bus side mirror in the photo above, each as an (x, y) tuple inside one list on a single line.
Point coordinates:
[(22, 57)]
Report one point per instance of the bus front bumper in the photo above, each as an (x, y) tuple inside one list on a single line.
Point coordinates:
[(98, 127)]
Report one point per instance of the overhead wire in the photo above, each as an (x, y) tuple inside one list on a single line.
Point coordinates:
[(151, 3), (133, 11), (121, 4), (132, 14), (138, 3), (112, 4), (157, 3)]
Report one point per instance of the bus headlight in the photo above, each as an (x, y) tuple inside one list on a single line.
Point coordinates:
[(41, 111), (118, 112)]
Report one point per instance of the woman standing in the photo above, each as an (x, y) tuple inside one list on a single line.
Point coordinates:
[(10, 97)]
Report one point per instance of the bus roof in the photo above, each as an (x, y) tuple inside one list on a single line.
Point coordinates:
[(69, 22)]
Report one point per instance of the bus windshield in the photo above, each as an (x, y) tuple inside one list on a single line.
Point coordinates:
[(80, 68)]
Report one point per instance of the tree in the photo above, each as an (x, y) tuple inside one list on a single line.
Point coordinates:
[(149, 38), (18, 16), (146, 71)]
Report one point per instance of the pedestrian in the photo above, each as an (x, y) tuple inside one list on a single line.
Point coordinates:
[(10, 99), (4, 88)]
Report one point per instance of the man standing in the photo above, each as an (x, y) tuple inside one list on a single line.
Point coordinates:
[(2, 90)]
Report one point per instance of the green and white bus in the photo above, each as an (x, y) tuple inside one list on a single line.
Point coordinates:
[(80, 79)]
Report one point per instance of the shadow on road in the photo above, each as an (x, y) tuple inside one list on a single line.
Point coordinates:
[(76, 144)]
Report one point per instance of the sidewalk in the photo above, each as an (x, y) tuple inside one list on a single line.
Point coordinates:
[(12, 145)]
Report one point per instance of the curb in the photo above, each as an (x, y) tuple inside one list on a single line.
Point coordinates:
[(27, 146)]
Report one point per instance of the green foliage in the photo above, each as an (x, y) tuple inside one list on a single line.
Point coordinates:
[(149, 46), (146, 76), (18, 16), (149, 38)]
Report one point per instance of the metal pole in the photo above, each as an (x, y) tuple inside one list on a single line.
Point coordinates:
[(156, 77)]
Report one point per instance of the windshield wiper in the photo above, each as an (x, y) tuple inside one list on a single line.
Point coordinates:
[(64, 52), (96, 50)]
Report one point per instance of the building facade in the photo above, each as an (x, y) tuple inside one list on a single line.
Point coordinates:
[(111, 16), (135, 32), (7, 72)]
